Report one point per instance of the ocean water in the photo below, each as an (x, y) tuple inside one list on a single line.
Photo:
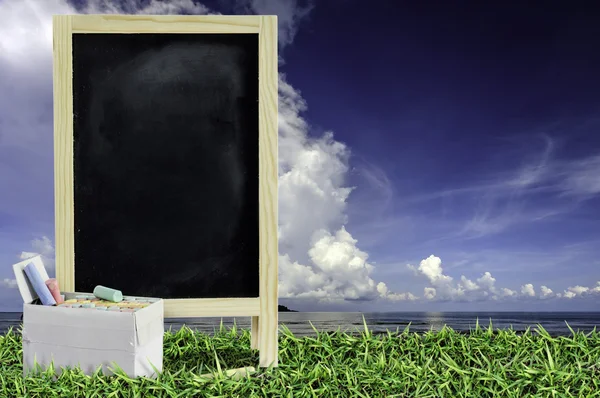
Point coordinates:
[(302, 323)]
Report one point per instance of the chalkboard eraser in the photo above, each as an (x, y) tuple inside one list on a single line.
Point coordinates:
[(107, 293)]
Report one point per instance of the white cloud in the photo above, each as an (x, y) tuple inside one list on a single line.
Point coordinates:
[(289, 15), (41, 247), (339, 269), (546, 292), (147, 7), (400, 296), (445, 288), (487, 282), (575, 291), (431, 267), (468, 284), (582, 177), (429, 293), (9, 283), (312, 203), (528, 290)]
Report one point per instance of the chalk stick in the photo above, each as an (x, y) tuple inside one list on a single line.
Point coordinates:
[(235, 374), (38, 285), (101, 307), (83, 297), (88, 305), (70, 301), (114, 308), (52, 285), (107, 293)]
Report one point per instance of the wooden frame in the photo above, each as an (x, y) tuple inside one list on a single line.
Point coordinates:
[(262, 309)]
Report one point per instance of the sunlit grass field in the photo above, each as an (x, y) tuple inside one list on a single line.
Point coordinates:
[(482, 363)]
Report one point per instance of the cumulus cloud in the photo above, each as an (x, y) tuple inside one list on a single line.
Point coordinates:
[(546, 292), (41, 247), (429, 293), (528, 290), (445, 288), (579, 291), (319, 258), (506, 292)]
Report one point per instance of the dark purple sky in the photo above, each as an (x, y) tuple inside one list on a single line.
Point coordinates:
[(445, 96)]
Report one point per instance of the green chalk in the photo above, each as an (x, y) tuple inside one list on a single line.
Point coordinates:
[(108, 294), (88, 305)]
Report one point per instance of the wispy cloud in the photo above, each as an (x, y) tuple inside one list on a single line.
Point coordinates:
[(528, 190), (581, 178)]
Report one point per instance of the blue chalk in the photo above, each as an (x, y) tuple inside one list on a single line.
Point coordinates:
[(38, 285)]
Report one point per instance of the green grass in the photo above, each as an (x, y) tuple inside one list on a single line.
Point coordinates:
[(483, 363)]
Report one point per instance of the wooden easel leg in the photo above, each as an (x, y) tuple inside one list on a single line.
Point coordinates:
[(267, 337), (254, 334)]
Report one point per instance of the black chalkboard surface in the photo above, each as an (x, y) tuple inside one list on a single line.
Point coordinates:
[(165, 164)]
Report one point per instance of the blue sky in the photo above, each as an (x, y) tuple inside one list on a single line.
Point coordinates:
[(432, 157)]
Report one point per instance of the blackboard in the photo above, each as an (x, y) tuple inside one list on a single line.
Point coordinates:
[(166, 164)]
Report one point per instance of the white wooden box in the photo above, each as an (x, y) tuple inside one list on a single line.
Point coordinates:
[(89, 338)]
